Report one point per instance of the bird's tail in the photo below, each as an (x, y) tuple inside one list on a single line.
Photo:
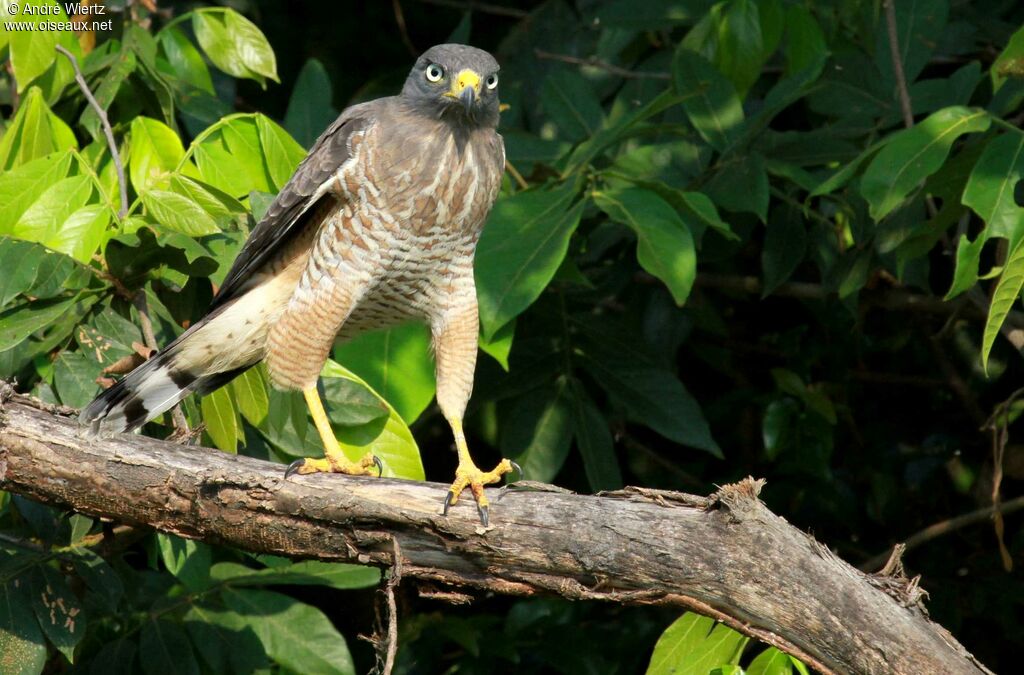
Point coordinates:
[(157, 385)]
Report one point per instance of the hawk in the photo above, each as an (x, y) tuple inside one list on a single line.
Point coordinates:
[(378, 225)]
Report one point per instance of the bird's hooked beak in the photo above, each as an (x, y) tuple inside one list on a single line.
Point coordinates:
[(466, 88)]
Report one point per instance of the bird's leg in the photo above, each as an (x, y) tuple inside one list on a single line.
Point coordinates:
[(334, 460), (467, 474)]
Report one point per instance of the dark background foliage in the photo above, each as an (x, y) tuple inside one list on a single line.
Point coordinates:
[(813, 338)]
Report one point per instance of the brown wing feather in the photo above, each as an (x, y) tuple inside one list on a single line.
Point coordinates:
[(298, 199)]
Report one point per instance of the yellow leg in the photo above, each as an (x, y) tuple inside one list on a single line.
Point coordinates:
[(334, 460), (468, 475)]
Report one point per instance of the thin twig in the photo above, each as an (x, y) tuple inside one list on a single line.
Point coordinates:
[(403, 30), (177, 416), (595, 62), (518, 177), (393, 581), (897, 64), (945, 527), (107, 131), (483, 7), (999, 425)]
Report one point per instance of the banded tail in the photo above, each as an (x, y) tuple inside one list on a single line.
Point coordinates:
[(156, 386)]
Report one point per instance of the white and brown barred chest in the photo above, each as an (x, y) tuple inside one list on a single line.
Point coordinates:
[(411, 217)]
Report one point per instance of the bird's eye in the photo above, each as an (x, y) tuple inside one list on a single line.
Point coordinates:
[(434, 73), (491, 81)]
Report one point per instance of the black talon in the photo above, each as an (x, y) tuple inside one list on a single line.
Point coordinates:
[(447, 502), (380, 466), (482, 510), (519, 469), (293, 467)]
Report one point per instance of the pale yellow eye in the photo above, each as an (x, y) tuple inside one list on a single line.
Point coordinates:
[(491, 81), (434, 73)]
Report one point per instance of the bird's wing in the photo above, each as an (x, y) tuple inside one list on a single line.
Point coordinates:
[(288, 213)]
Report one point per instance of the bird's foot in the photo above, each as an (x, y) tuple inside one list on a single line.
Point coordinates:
[(369, 465), (468, 475)]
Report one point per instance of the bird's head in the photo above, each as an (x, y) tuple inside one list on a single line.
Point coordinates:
[(457, 82)]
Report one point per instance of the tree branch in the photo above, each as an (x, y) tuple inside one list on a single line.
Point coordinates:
[(726, 556)]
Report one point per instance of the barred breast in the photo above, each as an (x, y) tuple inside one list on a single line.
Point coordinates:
[(400, 244)]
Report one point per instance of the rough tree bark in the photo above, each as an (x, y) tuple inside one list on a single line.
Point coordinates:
[(726, 556)]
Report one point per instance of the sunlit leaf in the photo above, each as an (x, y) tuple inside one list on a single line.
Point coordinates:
[(990, 189), (914, 154), (523, 243), (665, 246), (234, 44), (396, 363)]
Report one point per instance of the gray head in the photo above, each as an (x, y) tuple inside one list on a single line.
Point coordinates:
[(455, 82)]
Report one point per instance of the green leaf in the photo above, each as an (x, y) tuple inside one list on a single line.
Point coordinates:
[(991, 185), (42, 220), (221, 419), (223, 640), (914, 154), (21, 321), (1007, 291), (33, 133), (740, 49), (184, 59), (571, 104), (351, 404), (99, 576), (234, 44), (82, 232), (154, 153), (741, 185), (189, 561), (396, 364), (166, 650), (24, 185), (594, 440), (537, 432), (74, 377), (695, 645), (250, 394), (58, 610), (805, 41), (1010, 62), (306, 573), (20, 261), (389, 439), (784, 245), (843, 175), (770, 662), (968, 256), (230, 157), (665, 246), (22, 647), (280, 151), (223, 208), (499, 345), (33, 51), (310, 110), (711, 102), (522, 245), (652, 396), (297, 636), (178, 213)]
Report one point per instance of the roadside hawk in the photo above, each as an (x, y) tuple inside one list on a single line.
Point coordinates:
[(379, 224)]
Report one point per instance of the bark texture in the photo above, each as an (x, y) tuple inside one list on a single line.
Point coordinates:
[(726, 556)]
